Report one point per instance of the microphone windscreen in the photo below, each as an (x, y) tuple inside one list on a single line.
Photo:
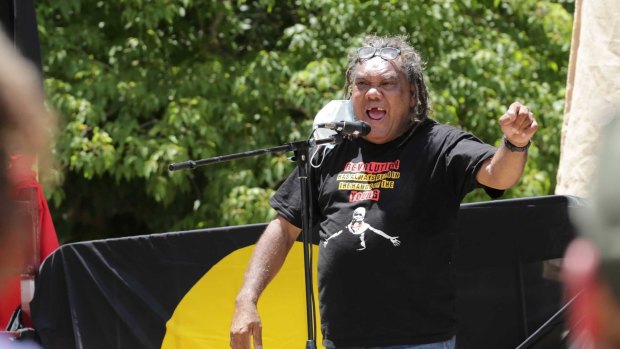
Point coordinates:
[(334, 111)]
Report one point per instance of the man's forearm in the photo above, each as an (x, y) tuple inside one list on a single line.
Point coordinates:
[(503, 170), (268, 257)]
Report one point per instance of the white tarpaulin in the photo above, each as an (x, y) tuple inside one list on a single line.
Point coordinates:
[(593, 92)]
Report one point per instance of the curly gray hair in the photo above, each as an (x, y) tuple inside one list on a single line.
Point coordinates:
[(410, 63)]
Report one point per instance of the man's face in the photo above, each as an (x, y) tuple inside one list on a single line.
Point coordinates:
[(382, 97)]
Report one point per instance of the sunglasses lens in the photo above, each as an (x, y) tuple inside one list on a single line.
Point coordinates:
[(390, 52), (385, 53), (366, 52)]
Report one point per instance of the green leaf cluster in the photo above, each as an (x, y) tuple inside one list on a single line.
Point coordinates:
[(141, 84)]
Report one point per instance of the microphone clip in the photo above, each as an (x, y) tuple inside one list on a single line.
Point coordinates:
[(348, 128)]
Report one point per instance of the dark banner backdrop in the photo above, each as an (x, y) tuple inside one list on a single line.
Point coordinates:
[(121, 293)]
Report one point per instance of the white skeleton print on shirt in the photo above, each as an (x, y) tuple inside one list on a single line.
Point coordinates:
[(359, 227)]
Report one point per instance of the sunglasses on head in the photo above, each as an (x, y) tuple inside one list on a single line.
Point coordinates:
[(387, 53)]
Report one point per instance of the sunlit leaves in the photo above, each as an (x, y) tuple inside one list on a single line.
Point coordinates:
[(144, 83)]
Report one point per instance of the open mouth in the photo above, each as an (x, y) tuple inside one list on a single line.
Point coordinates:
[(375, 113)]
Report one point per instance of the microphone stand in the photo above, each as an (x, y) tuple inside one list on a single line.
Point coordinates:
[(300, 149)]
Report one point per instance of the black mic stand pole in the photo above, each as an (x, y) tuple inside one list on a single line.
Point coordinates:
[(300, 149)]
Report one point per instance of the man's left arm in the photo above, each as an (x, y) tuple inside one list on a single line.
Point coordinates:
[(504, 169)]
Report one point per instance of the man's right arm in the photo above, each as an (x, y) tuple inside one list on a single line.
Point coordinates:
[(269, 255)]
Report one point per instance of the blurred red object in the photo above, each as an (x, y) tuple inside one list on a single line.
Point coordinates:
[(40, 239)]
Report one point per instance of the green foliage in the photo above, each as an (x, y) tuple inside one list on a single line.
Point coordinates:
[(145, 83)]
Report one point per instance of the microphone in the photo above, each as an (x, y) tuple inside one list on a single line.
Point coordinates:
[(354, 128)]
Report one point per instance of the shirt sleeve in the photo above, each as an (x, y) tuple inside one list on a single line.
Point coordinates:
[(464, 157), (287, 199)]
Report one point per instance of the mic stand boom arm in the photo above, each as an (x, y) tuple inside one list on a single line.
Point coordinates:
[(300, 148), (294, 146)]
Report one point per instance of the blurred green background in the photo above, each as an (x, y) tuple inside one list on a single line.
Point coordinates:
[(140, 84)]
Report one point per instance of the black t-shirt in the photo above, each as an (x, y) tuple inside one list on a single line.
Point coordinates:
[(384, 213)]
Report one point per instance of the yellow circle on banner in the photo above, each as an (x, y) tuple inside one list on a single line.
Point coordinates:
[(202, 318)]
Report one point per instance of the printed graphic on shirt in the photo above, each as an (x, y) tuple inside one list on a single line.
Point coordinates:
[(359, 227), (365, 180)]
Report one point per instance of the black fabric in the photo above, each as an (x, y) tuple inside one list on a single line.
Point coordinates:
[(7, 17), (19, 23), (505, 289), (99, 294), (119, 293), (371, 291)]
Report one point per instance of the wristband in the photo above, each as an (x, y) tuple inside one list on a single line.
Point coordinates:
[(514, 148)]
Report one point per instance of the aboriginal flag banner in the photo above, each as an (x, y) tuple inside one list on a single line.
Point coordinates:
[(171, 290), (176, 290)]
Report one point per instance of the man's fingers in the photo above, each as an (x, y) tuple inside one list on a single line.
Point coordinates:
[(240, 339), (519, 118), (258, 337), (524, 118), (531, 129), (508, 117), (245, 324), (515, 113), (240, 336), (526, 124), (518, 124)]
